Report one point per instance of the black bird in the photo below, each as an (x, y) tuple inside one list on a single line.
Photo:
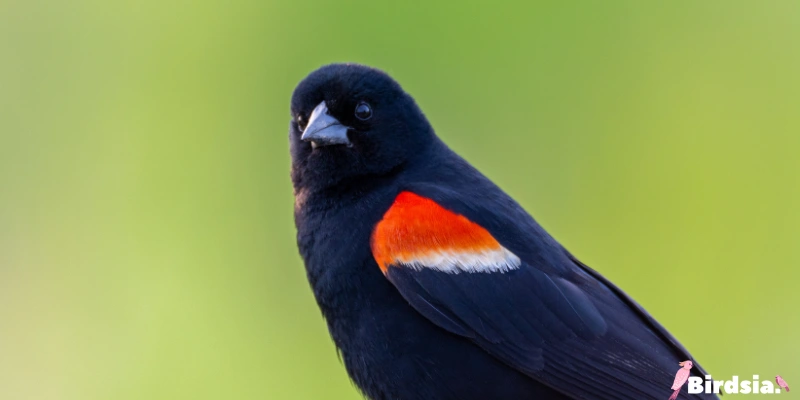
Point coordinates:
[(434, 283)]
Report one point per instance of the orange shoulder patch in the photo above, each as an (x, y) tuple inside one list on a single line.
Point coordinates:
[(417, 232)]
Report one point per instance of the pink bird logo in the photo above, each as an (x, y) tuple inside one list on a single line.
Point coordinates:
[(680, 378), (781, 382)]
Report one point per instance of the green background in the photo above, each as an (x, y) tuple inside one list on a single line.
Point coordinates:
[(146, 238)]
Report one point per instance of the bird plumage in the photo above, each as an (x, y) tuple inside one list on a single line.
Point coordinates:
[(434, 283)]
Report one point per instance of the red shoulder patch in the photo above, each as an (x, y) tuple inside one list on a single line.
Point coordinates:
[(418, 232)]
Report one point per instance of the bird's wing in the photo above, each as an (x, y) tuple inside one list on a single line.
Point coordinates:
[(536, 310)]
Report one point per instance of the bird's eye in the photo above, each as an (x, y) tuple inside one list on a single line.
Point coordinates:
[(301, 123), (363, 111)]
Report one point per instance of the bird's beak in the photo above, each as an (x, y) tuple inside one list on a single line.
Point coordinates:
[(323, 129)]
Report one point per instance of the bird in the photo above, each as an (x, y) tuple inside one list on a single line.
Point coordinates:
[(436, 284), (782, 383), (680, 378)]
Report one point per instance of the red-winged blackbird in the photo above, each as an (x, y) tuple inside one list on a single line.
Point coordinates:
[(436, 284)]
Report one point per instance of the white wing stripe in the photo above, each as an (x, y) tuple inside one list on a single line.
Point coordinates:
[(454, 262)]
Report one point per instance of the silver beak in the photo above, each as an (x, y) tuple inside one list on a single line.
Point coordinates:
[(323, 129)]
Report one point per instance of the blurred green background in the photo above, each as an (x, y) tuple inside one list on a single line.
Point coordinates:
[(146, 238)]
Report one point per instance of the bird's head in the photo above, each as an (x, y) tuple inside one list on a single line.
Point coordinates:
[(352, 121), (686, 364)]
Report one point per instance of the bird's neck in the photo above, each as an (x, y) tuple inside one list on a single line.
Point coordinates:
[(333, 236)]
